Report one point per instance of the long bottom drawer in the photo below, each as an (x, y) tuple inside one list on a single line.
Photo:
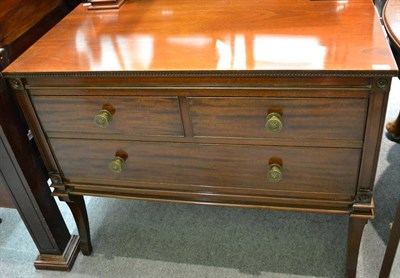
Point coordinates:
[(313, 170)]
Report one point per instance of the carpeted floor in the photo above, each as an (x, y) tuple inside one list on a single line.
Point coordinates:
[(146, 239)]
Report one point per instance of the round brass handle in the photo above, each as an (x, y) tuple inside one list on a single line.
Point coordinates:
[(103, 118), (116, 165), (274, 173), (274, 122)]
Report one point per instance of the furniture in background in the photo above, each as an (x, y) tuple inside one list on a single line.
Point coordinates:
[(392, 246), (205, 103), (105, 4), (23, 181), (391, 20)]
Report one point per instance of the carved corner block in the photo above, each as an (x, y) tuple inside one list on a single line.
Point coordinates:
[(16, 84), (60, 189), (60, 262), (381, 84), (364, 196), (56, 178), (364, 206)]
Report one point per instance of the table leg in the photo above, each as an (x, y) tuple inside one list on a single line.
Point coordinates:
[(356, 228), (78, 208), (391, 246), (24, 177)]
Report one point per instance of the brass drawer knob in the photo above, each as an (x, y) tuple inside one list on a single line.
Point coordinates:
[(274, 173), (103, 118), (274, 122), (116, 165)]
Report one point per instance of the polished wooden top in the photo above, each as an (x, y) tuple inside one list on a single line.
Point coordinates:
[(208, 35), (391, 17)]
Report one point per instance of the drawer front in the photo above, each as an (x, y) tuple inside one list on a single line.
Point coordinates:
[(325, 170), (301, 118), (133, 115)]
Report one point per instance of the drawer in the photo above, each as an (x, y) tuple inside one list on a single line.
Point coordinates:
[(327, 170), (301, 118), (133, 115)]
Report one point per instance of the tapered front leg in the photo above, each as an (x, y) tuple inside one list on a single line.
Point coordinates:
[(78, 208), (356, 228)]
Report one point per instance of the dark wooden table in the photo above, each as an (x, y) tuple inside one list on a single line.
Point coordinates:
[(391, 18), (23, 181)]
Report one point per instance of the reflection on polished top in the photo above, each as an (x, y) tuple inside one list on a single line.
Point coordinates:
[(159, 35)]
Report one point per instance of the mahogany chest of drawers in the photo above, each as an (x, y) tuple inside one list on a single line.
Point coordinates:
[(235, 104)]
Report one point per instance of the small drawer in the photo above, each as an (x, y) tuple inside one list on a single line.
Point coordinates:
[(326, 170), (289, 118), (136, 116)]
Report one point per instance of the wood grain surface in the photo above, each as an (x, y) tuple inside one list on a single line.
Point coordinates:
[(318, 118), (133, 116), (165, 35), (18, 16), (325, 65), (304, 169)]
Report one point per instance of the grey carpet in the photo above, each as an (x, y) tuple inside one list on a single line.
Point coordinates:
[(148, 239)]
